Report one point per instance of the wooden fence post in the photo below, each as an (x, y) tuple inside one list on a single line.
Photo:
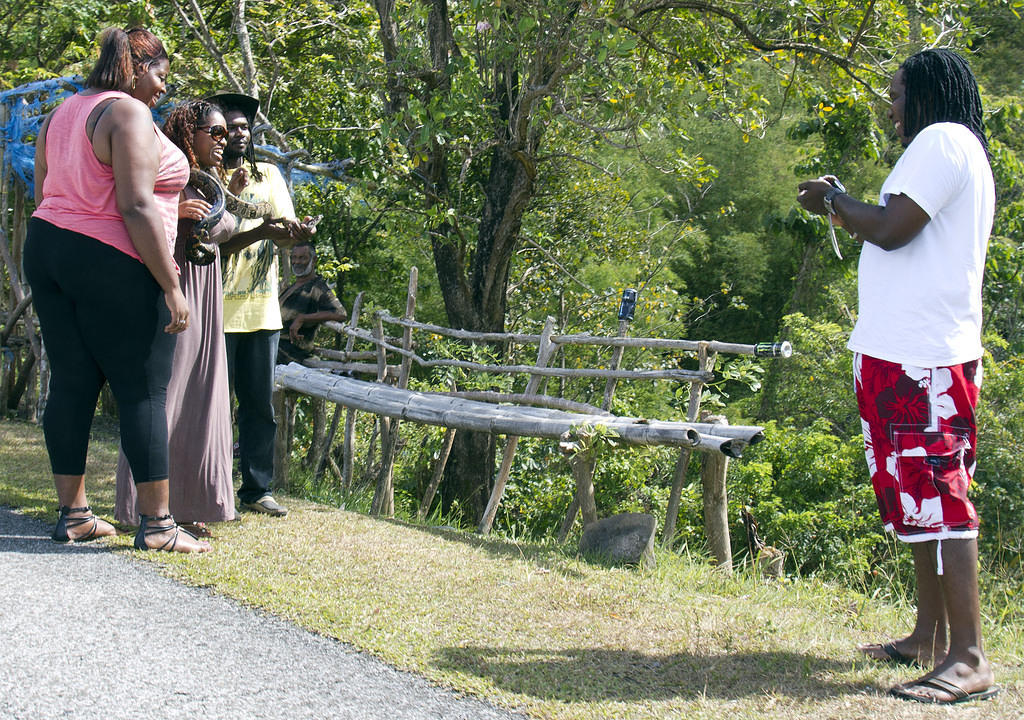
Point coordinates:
[(706, 362), (435, 479), (350, 414), (318, 412), (609, 386), (714, 467), (349, 449), (384, 496), (606, 404), (570, 518), (6, 371), (44, 385), (10, 252), (383, 423), (322, 457), (583, 472), (544, 353)]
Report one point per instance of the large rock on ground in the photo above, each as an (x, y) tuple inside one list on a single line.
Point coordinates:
[(626, 539)]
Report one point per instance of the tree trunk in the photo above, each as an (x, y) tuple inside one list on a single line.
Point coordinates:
[(467, 475), (480, 305), (473, 280)]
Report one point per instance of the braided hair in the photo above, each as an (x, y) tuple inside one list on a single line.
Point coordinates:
[(940, 87), (183, 121)]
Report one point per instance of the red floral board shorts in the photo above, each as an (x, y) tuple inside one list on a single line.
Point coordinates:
[(920, 437)]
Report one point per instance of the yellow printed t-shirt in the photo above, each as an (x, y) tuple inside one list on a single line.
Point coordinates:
[(250, 275)]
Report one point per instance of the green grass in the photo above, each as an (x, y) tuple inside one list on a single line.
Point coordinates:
[(532, 627)]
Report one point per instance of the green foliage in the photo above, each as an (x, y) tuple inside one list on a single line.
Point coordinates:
[(809, 492), (50, 39), (998, 499), (999, 47), (847, 129), (538, 493), (815, 384), (1004, 280)]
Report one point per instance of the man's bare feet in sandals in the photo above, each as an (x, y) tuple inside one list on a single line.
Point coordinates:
[(950, 683), (902, 652), (162, 533)]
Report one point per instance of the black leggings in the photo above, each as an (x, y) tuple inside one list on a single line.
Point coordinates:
[(102, 316)]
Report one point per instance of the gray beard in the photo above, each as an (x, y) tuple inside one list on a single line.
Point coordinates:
[(302, 270)]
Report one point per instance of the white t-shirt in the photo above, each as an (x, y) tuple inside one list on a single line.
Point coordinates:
[(921, 304)]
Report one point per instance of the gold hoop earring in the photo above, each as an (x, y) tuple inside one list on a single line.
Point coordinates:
[(134, 79)]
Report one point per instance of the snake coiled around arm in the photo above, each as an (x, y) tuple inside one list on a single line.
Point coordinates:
[(200, 250)]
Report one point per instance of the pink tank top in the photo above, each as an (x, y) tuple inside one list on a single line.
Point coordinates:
[(78, 191)]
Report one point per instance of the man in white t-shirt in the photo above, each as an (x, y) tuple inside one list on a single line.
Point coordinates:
[(917, 358)]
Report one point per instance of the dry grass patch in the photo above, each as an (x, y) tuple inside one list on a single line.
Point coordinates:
[(533, 628)]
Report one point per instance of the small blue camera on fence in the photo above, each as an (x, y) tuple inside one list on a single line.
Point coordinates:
[(628, 305)]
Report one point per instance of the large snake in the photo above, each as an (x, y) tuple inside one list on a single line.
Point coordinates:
[(199, 250)]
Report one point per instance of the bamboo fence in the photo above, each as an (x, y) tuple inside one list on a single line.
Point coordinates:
[(573, 424)]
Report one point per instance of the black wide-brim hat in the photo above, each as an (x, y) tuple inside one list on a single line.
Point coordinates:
[(236, 101)]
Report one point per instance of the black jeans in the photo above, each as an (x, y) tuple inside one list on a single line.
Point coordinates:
[(251, 360), (102, 316)]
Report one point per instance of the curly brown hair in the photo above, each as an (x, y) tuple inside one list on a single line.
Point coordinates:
[(183, 121)]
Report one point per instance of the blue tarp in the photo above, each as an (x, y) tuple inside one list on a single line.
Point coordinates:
[(27, 105)]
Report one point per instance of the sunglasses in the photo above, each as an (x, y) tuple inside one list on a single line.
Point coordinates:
[(217, 132)]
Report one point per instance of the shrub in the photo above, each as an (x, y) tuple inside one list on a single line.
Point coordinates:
[(810, 494)]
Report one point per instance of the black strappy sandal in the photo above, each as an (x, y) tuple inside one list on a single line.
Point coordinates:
[(64, 523), (151, 525)]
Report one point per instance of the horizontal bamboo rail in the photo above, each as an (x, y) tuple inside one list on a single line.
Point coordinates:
[(678, 375), (547, 401), (713, 346), (453, 412)]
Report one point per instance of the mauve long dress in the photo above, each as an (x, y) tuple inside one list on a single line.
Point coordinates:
[(198, 403)]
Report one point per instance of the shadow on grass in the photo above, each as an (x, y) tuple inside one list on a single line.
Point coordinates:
[(551, 557), (596, 675), (38, 503)]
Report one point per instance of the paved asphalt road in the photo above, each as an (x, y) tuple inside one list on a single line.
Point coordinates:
[(90, 633)]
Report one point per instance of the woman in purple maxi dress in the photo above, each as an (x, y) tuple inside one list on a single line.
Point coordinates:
[(198, 402)]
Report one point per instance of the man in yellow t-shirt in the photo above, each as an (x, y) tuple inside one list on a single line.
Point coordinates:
[(252, 316)]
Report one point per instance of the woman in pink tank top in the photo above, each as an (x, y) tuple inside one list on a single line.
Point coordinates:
[(105, 285)]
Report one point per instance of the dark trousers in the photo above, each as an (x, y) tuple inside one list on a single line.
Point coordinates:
[(102, 316), (251, 361)]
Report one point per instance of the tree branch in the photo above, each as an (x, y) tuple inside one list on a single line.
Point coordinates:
[(847, 65), (241, 30), (868, 12)]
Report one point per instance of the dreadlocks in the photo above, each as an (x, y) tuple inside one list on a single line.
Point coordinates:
[(182, 123), (940, 87)]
